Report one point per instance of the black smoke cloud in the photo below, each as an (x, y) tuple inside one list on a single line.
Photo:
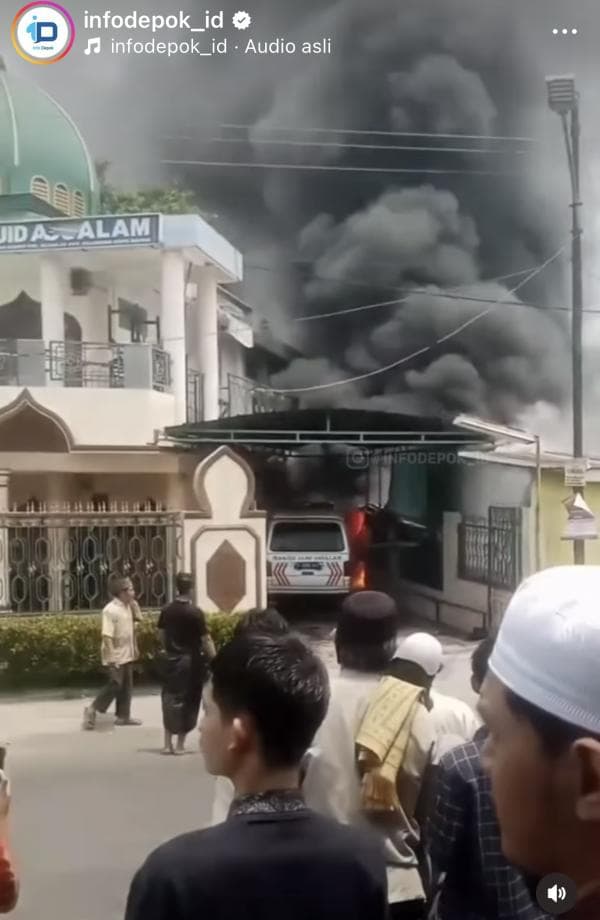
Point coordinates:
[(455, 67), (326, 241), (440, 95)]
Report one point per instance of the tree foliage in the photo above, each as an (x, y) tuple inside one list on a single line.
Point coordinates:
[(162, 199)]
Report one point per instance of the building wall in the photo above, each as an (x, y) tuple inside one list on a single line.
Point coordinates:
[(24, 487), (232, 359), (554, 518), (103, 417), (461, 604), (165, 477), (481, 484)]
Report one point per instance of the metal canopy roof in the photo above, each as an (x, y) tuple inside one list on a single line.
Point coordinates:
[(296, 427)]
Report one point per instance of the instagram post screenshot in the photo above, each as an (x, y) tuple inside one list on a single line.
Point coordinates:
[(299, 460)]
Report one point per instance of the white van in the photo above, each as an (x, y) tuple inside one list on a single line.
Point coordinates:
[(308, 553)]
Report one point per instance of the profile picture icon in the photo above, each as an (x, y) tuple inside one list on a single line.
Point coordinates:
[(43, 33)]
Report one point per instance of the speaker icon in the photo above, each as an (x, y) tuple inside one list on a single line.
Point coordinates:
[(556, 894)]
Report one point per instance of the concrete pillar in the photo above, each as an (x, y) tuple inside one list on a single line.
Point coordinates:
[(53, 300), (207, 342), (4, 543), (172, 323)]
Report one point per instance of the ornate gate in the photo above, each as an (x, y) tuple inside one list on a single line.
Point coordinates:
[(490, 553), (60, 560), (489, 549)]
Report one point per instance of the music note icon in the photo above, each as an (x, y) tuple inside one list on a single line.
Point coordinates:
[(93, 46)]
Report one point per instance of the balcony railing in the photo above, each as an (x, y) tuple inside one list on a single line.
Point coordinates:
[(30, 362), (242, 396)]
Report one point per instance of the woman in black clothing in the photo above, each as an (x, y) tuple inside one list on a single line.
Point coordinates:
[(187, 650)]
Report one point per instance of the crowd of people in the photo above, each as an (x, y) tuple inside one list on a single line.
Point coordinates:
[(370, 794)]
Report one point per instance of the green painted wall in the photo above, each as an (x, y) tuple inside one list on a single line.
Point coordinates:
[(554, 516)]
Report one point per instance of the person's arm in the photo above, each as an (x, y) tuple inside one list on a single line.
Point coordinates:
[(136, 612), (108, 638), (206, 640), (161, 626), (208, 646), (9, 884)]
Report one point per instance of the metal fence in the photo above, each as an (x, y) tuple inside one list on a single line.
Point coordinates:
[(490, 549), (106, 364), (61, 560), (242, 396)]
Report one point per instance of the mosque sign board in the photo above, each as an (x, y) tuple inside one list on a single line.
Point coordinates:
[(123, 230)]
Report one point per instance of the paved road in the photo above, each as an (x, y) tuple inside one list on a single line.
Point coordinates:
[(89, 807)]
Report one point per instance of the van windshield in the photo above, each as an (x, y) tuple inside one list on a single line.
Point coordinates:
[(307, 537)]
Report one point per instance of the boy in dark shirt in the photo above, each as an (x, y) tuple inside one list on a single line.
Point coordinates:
[(272, 857)]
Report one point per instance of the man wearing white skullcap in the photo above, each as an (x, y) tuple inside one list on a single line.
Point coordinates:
[(541, 704), (418, 660)]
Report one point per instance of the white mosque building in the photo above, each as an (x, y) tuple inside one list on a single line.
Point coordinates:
[(112, 328)]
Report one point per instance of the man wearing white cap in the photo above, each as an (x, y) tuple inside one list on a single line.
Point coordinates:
[(419, 659), (541, 704)]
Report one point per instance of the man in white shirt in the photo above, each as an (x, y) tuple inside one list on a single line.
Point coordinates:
[(365, 642), (119, 651), (418, 660)]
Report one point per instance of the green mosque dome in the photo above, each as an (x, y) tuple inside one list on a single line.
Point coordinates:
[(45, 165)]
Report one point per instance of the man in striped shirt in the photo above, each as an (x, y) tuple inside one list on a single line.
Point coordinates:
[(476, 882)]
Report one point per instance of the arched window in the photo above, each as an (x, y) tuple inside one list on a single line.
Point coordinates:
[(78, 209), (40, 187), (62, 199)]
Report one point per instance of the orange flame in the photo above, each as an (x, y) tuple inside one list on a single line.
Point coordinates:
[(359, 578)]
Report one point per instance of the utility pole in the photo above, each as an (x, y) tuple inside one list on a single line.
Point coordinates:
[(577, 313), (564, 100)]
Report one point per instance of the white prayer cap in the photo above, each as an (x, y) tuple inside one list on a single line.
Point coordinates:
[(548, 646), (423, 650)]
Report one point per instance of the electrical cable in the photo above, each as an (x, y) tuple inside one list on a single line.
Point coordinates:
[(421, 351)]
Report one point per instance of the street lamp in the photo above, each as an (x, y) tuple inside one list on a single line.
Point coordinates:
[(503, 432), (564, 100)]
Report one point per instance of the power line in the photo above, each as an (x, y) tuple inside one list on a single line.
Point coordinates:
[(364, 131), (452, 294), (323, 168), (389, 287), (426, 348), (444, 295), (347, 146)]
